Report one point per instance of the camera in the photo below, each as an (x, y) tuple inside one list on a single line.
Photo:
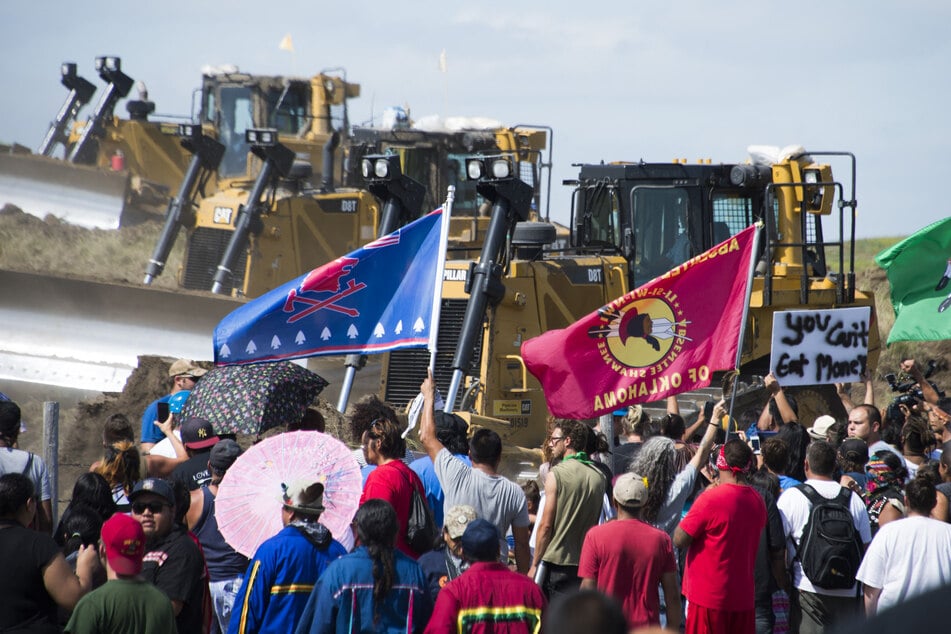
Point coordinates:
[(755, 444)]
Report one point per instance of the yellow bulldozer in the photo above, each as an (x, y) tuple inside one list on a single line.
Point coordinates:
[(629, 223), (255, 234), (111, 170), (271, 186)]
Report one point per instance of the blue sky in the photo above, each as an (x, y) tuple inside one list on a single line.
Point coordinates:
[(616, 80)]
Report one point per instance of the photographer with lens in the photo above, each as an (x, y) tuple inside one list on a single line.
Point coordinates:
[(915, 395)]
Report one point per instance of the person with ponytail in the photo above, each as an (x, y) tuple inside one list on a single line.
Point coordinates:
[(376, 588), (121, 467)]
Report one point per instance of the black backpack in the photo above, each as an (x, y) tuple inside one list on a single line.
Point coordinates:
[(421, 530), (830, 550)]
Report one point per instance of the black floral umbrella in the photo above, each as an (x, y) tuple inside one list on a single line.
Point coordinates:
[(249, 399)]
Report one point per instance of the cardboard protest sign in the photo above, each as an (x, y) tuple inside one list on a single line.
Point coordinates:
[(812, 347)]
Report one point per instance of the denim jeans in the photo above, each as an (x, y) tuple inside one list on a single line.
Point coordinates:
[(223, 594)]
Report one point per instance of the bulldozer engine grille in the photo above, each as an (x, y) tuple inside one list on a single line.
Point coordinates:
[(407, 368), (205, 248)]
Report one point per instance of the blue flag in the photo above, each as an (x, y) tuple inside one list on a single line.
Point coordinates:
[(378, 298)]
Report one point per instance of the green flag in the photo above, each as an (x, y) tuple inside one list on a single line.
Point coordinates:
[(919, 268)]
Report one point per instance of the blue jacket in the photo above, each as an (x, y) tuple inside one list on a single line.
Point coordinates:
[(342, 602), (279, 579)]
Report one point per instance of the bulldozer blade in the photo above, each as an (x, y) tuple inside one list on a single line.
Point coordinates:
[(88, 335), (78, 194)]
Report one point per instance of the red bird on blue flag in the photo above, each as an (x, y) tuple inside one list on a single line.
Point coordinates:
[(378, 298)]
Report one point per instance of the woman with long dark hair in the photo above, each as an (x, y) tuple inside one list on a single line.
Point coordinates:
[(376, 588), (36, 578), (91, 491)]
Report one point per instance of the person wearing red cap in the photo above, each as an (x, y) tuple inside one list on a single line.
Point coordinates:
[(126, 603)]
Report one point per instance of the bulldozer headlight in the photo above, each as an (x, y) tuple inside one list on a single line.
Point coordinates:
[(109, 63), (813, 195), (189, 130), (261, 137), (475, 169), (495, 167), (381, 167), (501, 168)]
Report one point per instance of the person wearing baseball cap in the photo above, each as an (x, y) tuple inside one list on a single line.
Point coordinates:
[(226, 566), (183, 374), (445, 564), (820, 428), (126, 603), (487, 588), (627, 559), (198, 437), (172, 562)]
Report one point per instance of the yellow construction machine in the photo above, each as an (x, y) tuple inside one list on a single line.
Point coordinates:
[(118, 170), (629, 223), (254, 235)]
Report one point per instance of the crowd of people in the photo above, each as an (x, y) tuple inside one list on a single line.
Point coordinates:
[(758, 523)]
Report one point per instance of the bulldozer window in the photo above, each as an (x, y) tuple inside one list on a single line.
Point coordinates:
[(235, 117), (467, 200), (731, 214), (287, 109), (598, 215), (662, 230)]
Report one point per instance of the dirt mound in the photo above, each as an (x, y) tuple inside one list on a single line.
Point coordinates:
[(81, 428)]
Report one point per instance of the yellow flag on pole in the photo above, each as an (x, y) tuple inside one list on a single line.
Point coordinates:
[(442, 61), (287, 44)]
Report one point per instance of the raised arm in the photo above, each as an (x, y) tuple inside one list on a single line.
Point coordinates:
[(427, 419), (709, 435), (927, 391)]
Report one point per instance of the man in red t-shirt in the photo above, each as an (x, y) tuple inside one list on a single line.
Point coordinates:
[(721, 534), (628, 558), (392, 480)]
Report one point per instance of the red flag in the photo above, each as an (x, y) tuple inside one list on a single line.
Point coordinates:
[(661, 339)]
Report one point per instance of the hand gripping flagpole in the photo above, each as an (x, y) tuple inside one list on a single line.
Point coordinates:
[(746, 313)]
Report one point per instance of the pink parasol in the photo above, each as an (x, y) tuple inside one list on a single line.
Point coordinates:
[(248, 503)]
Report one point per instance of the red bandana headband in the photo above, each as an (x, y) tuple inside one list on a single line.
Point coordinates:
[(723, 466)]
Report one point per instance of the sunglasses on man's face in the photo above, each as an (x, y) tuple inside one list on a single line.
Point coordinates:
[(155, 507)]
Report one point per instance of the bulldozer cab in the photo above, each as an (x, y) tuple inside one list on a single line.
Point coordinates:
[(437, 159), (303, 109), (658, 216)]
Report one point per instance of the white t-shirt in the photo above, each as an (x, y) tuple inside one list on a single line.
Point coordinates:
[(908, 557), (164, 447), (794, 507)]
